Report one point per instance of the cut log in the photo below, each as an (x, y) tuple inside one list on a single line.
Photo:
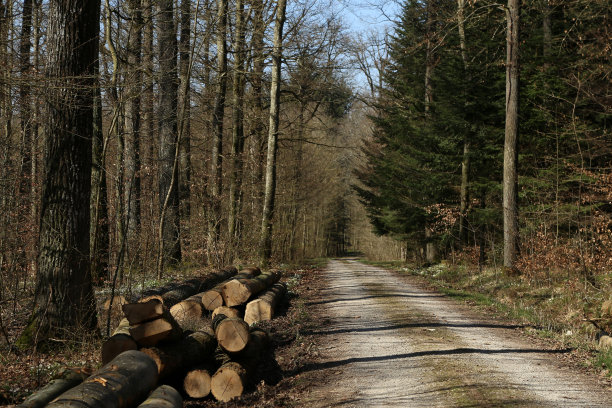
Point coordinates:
[(141, 312), (66, 380), (155, 331), (192, 350), (120, 341), (232, 333), (197, 382), (115, 308), (124, 382), (228, 382), (227, 311), (213, 298), (238, 291), (163, 397), (197, 285), (262, 308), (189, 312)]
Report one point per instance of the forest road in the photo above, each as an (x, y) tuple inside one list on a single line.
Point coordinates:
[(389, 342)]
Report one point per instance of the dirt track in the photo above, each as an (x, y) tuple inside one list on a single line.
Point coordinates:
[(391, 343)]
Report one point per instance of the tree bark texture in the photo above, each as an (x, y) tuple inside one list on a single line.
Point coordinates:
[(270, 183), (131, 182), (163, 396), (510, 177), (185, 112), (168, 136), (122, 383), (66, 380), (64, 294), (235, 188)]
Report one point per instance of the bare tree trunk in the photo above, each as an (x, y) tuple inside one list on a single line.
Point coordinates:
[(510, 205), (184, 115), (216, 175), (64, 295), (258, 127), (431, 252), (168, 179), (235, 189), (99, 239), (131, 183), (547, 28), (270, 185), (465, 162)]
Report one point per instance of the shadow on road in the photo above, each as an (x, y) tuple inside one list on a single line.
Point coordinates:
[(391, 357), (414, 325)]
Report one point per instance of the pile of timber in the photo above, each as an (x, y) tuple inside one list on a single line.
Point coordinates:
[(174, 334)]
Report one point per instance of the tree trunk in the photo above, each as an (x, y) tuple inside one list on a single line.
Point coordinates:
[(99, 228), (270, 184), (122, 383), (64, 294), (164, 396), (197, 285), (235, 189), (263, 307), (131, 182), (216, 175), (510, 184), (185, 113), (68, 379), (168, 136), (152, 332), (465, 162)]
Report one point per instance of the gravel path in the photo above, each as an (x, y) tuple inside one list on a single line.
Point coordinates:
[(390, 343)]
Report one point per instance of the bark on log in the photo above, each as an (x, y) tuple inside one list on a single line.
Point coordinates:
[(124, 382), (213, 298), (232, 333), (163, 397), (155, 331), (141, 312), (262, 308), (227, 311), (193, 350), (238, 291), (193, 286), (120, 341), (197, 382), (68, 379), (228, 382)]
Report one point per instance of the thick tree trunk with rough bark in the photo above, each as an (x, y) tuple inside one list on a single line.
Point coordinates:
[(510, 183), (265, 245), (64, 294)]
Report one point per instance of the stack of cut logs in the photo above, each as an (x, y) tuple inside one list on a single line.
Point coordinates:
[(168, 335)]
